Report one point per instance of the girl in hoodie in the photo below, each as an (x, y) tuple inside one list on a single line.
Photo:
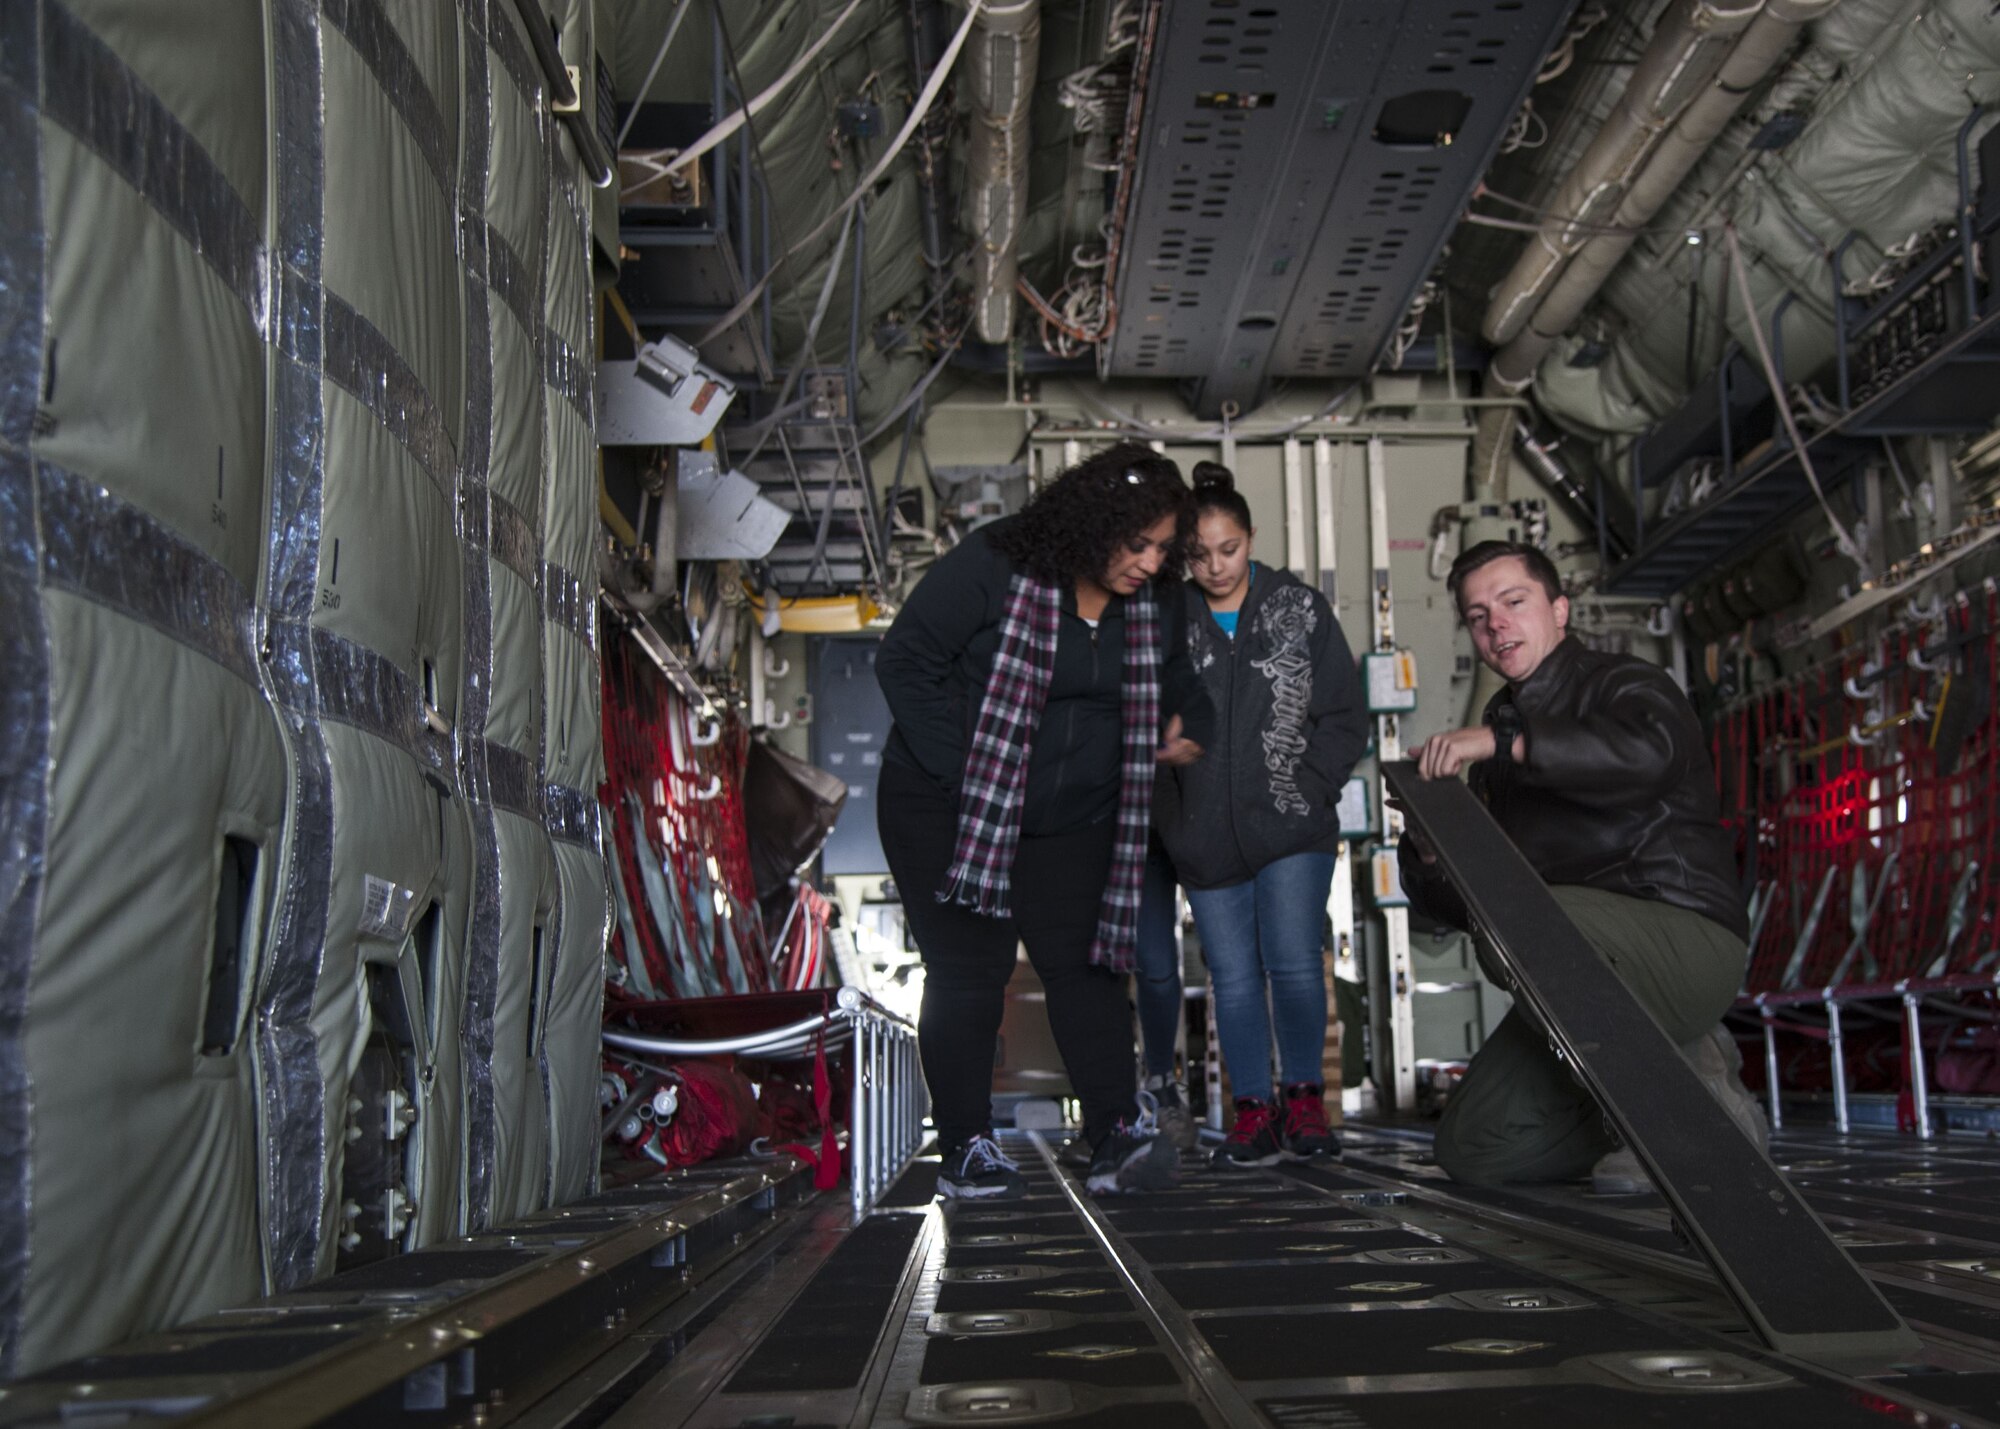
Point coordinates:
[(1253, 828)]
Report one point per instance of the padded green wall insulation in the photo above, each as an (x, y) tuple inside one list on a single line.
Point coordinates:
[(133, 478), (391, 582), (293, 558), (572, 732)]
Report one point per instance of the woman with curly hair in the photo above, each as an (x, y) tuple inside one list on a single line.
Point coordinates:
[(1037, 677)]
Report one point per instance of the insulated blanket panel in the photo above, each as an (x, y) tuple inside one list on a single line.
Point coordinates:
[(390, 578), (515, 714), (439, 1192), (388, 869), (517, 408), (575, 756), (390, 610), (391, 248), (570, 525), (165, 794), (576, 1008), (528, 905), (133, 878), (157, 389)]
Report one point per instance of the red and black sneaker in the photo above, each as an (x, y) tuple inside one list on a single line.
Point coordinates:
[(1306, 1134), (1254, 1140)]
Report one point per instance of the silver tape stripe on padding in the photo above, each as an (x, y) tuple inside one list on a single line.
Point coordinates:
[(564, 369), (482, 971), (364, 362), (512, 49), (369, 691), (545, 122), (514, 541), (109, 551), (512, 284), (294, 1149), (569, 603), (24, 646), (516, 787), (92, 93), (572, 816), (367, 27)]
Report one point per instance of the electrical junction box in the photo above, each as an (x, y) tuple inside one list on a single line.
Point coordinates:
[(1386, 881), (1390, 678), (1353, 810)]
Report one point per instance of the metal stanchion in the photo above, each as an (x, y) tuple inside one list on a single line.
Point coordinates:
[(883, 1131), (1771, 1069), (886, 1103), (857, 1126), (1919, 1091), (885, 1116), (1837, 1050)]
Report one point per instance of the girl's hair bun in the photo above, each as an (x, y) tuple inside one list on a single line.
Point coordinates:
[(1213, 476)]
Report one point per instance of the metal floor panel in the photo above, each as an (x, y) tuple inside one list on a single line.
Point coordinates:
[(1326, 1296), (1372, 1293)]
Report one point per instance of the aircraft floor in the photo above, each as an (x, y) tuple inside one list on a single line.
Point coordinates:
[(1371, 1293)]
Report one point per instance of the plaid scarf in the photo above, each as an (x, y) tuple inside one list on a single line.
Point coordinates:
[(996, 767)]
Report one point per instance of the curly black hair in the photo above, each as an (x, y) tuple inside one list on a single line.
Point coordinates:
[(1075, 524)]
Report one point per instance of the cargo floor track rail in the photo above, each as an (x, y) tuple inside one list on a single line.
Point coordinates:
[(1368, 1293), (448, 1334), (1284, 1298)]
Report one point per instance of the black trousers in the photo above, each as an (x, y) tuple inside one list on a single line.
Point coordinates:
[(1058, 887)]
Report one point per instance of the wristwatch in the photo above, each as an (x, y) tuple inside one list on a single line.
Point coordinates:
[(1506, 724)]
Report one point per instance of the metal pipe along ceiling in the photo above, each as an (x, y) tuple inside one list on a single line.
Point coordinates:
[(1002, 59), (1687, 50), (1758, 50)]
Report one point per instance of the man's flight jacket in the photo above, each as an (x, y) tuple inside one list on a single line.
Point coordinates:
[(1616, 791)]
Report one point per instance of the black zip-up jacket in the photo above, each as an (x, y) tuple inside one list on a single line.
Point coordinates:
[(1291, 723), (935, 660), (1616, 792)]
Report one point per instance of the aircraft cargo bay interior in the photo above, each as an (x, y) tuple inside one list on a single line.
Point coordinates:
[(734, 713)]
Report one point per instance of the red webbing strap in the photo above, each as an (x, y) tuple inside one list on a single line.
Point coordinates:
[(826, 1160)]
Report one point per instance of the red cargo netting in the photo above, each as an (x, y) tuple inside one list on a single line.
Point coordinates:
[(688, 924), (1862, 791)]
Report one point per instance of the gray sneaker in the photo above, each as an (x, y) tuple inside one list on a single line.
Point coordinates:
[(1618, 1173), (1134, 1156), (1176, 1121), (1718, 1061)]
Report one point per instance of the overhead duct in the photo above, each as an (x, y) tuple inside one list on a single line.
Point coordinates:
[(1756, 53), (1299, 168), (1687, 50), (1001, 57), (1877, 159)]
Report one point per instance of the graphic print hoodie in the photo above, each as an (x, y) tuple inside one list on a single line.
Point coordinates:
[(1291, 722)]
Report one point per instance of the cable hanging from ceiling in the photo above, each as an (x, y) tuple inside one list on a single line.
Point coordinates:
[(1083, 313)]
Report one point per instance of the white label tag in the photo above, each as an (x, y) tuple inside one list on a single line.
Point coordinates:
[(1353, 809), (1391, 682), (387, 909)]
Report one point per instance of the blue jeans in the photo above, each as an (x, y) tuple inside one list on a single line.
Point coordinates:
[(1159, 968), (1268, 929)]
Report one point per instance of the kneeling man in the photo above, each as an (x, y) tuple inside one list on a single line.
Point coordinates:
[(1595, 766)]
